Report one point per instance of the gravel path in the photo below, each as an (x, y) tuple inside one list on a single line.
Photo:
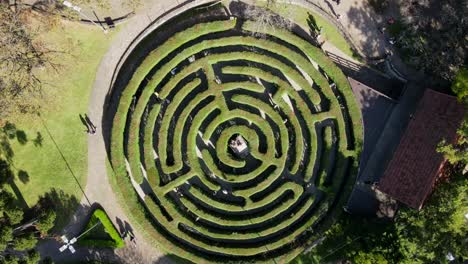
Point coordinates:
[(98, 189)]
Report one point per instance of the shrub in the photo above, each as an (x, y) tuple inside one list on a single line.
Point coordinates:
[(103, 232)]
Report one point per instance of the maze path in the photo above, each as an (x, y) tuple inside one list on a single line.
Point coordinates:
[(196, 92)]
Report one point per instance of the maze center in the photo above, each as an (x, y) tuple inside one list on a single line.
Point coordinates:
[(237, 140)]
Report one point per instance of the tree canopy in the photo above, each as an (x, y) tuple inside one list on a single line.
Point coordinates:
[(425, 236), (434, 36), (18, 234), (22, 56), (458, 153)]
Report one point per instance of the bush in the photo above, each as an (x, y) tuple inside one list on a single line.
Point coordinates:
[(103, 235)]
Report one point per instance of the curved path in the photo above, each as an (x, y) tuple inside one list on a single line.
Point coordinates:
[(98, 189)]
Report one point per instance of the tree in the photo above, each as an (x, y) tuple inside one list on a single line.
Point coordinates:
[(369, 258), (46, 221), (263, 14), (6, 235), (9, 212), (426, 236), (359, 240), (10, 217), (32, 257), (10, 259), (458, 153), (25, 242), (54, 8), (14, 215), (434, 36), (460, 85), (21, 56)]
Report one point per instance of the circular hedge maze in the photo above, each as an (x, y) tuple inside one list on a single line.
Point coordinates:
[(234, 146)]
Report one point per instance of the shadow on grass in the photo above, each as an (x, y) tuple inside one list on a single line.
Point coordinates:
[(38, 140), (21, 137), (62, 203), (20, 201), (5, 148), (64, 159), (23, 176)]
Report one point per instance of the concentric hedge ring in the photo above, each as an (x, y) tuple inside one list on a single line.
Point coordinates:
[(195, 92)]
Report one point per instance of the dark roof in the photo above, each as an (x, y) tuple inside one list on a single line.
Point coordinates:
[(411, 173)]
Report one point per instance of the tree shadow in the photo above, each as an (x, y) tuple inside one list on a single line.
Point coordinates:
[(171, 258), (64, 159), (390, 87), (372, 42), (5, 148), (23, 176), (38, 140), (6, 175), (21, 137), (62, 203), (20, 201)]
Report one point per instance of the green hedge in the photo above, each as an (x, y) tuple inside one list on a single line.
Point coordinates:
[(93, 239), (146, 216)]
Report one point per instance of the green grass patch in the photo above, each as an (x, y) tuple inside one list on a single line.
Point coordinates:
[(303, 17), (67, 93)]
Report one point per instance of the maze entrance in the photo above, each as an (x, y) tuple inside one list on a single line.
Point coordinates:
[(239, 141)]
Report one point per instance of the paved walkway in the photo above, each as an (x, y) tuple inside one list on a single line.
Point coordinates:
[(354, 17), (359, 22)]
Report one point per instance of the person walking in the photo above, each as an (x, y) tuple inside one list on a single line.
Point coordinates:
[(91, 125), (85, 123)]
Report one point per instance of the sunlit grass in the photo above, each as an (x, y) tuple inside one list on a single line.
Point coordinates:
[(67, 93)]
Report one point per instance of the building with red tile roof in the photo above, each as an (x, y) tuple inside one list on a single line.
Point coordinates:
[(411, 174)]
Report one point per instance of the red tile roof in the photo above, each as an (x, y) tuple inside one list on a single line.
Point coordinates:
[(411, 173)]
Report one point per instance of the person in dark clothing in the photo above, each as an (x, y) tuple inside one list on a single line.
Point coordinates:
[(91, 125), (83, 120)]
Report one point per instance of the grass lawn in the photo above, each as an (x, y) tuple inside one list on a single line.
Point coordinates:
[(300, 16), (42, 164)]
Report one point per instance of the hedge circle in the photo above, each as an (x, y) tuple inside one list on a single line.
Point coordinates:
[(187, 101)]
